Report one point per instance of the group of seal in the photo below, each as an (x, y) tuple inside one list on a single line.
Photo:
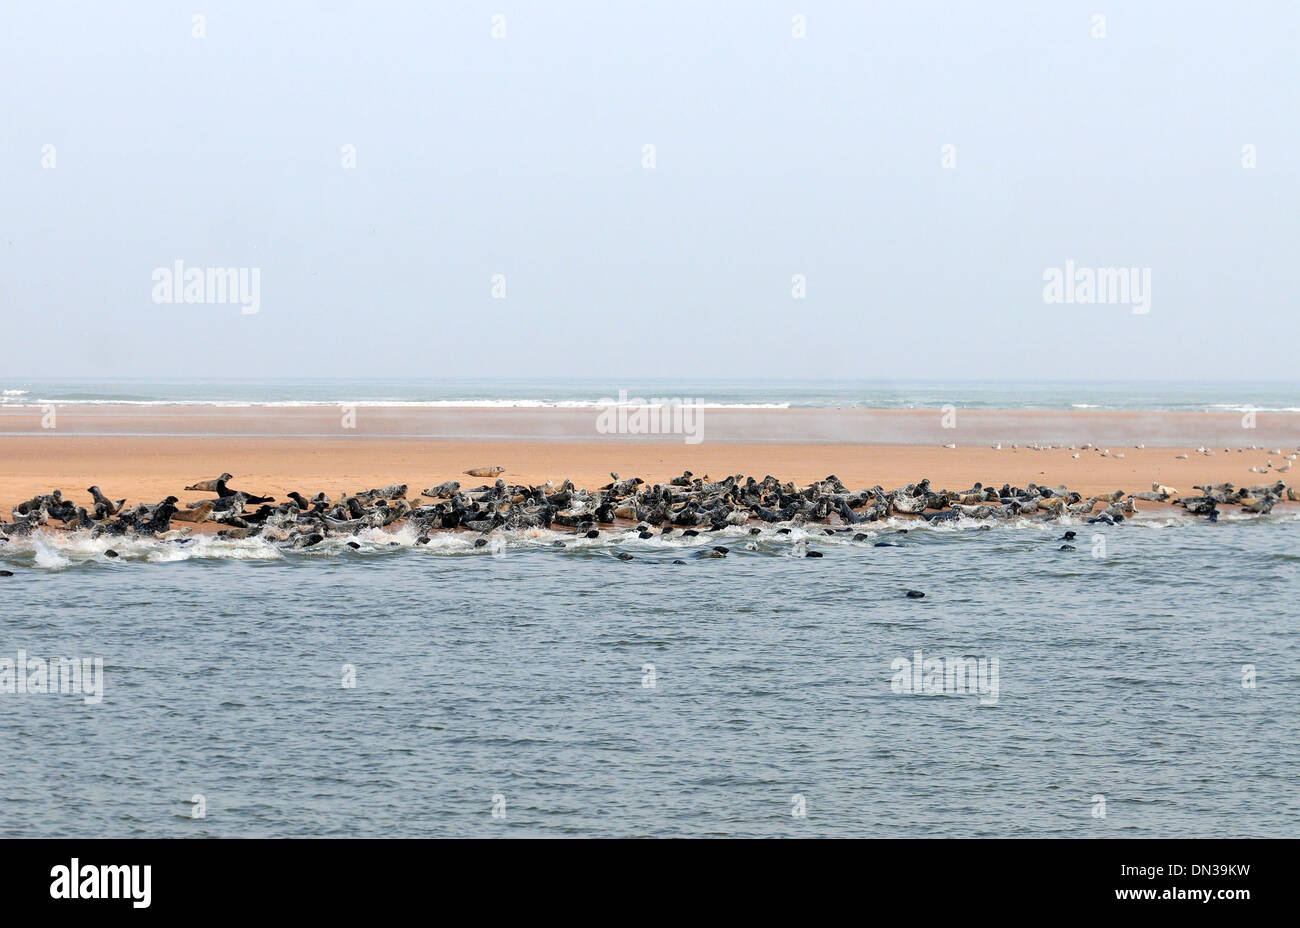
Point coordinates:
[(685, 504)]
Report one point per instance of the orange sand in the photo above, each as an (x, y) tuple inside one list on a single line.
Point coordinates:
[(149, 468)]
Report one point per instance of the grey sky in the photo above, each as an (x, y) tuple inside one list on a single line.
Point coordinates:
[(775, 156)]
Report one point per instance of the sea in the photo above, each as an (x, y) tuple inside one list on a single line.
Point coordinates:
[(1143, 684), (1263, 396)]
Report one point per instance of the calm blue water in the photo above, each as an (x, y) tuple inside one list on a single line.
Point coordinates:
[(1264, 396), (519, 673)]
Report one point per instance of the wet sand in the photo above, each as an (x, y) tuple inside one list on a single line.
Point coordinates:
[(968, 428)]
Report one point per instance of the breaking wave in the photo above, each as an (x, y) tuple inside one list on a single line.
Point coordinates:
[(59, 550)]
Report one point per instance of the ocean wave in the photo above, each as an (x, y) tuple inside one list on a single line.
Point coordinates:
[(1246, 407), (58, 550), (22, 399)]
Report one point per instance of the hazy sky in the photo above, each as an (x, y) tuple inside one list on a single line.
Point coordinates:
[(775, 156)]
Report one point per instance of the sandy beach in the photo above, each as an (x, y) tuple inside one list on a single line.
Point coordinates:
[(148, 453)]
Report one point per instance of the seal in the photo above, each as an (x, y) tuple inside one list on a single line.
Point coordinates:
[(225, 492), (485, 471), (104, 507), (686, 506), (198, 514), (443, 490), (208, 486)]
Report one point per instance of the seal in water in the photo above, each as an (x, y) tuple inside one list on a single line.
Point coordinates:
[(915, 594)]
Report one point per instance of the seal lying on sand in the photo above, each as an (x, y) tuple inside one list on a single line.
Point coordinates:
[(686, 506), (104, 507), (198, 514), (208, 486), (485, 471), (443, 490)]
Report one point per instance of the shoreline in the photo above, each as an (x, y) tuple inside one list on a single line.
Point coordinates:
[(967, 428), (146, 469), (147, 453)]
